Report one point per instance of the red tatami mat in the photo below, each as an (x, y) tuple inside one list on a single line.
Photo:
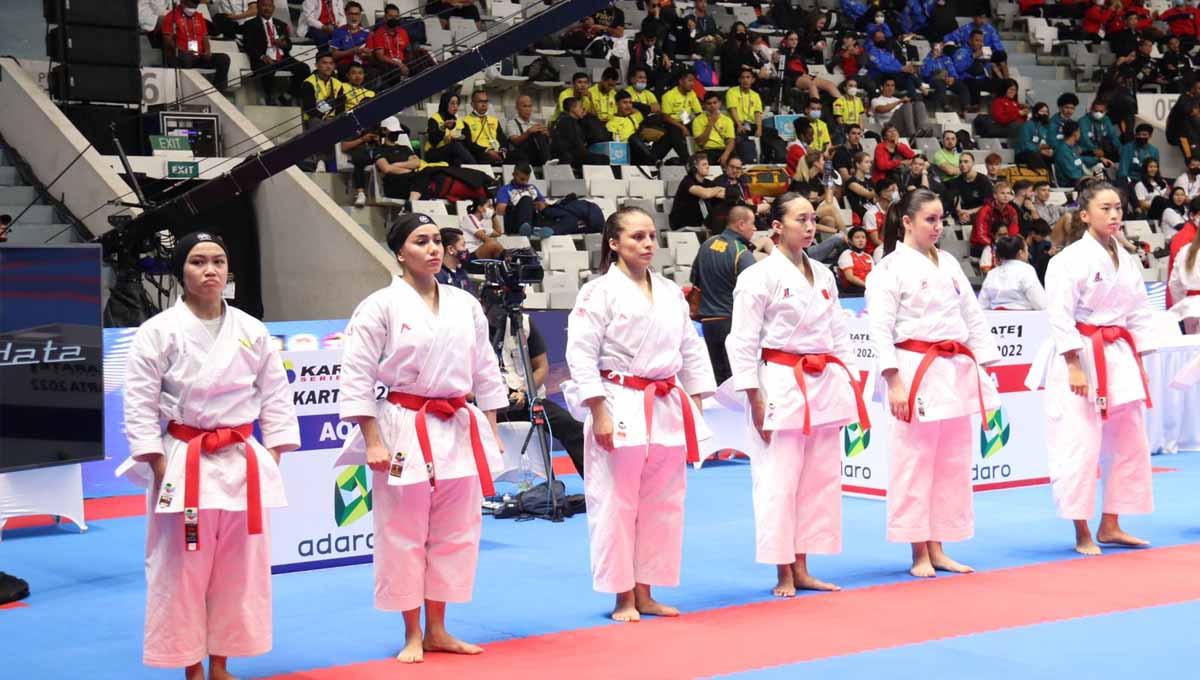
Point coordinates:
[(93, 509), (817, 626)]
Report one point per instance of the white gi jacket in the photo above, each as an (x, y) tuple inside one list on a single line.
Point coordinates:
[(614, 327), (911, 298), (775, 307), (1083, 286), (395, 339), (178, 372), (310, 15), (1183, 280), (1014, 286)]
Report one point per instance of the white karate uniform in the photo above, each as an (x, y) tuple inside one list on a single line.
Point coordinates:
[(797, 479), (217, 599), (1012, 286), (1083, 286), (635, 492), (310, 15), (1186, 307), (426, 539), (929, 472)]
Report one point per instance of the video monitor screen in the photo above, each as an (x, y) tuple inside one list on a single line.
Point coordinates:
[(51, 372)]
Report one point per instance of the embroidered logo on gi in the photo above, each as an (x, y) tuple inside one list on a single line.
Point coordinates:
[(1097, 279), (397, 468), (787, 293), (957, 291), (825, 293), (920, 407), (924, 284), (404, 327), (855, 439), (245, 342), (994, 435), (290, 369), (191, 515), (351, 495), (620, 429)]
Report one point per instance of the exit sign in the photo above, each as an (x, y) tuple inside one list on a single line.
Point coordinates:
[(183, 170), (169, 143)]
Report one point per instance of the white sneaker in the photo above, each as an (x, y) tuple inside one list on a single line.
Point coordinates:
[(360, 199)]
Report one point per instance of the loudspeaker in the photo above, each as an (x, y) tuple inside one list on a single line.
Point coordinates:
[(84, 82), (94, 45), (93, 123), (114, 13)]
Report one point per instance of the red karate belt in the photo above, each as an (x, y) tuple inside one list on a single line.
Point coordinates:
[(445, 409), (814, 364), (209, 441), (1101, 335), (933, 350), (661, 388), (1190, 293)]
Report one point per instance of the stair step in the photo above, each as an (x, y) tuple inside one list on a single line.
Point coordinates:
[(10, 195), (27, 234), (37, 214), (8, 176)]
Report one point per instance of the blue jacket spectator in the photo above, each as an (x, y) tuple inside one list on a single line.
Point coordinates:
[(933, 64), (991, 37), (881, 60), (915, 16), (1093, 132), (1070, 162), (1032, 135), (967, 67), (872, 27), (1136, 154)]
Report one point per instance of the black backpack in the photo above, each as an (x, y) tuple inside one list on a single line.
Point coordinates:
[(541, 69), (12, 589)]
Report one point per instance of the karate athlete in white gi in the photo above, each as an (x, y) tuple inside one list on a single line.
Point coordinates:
[(431, 451), (790, 353), (1185, 285), (209, 370), (634, 357), (1100, 325), (930, 341)]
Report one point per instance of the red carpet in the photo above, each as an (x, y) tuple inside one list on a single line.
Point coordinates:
[(93, 509), (818, 626), (13, 605)]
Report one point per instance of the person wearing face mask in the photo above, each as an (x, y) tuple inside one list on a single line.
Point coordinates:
[(479, 230), (1190, 181), (361, 152), (736, 54), (349, 42), (848, 108), (879, 23), (939, 71), (1071, 162), (1137, 153), (455, 256), (644, 100), (819, 127), (1097, 135), (1033, 147), (446, 132), (186, 45), (389, 43), (884, 63)]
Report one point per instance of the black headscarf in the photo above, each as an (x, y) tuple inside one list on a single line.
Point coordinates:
[(184, 246), (403, 227)]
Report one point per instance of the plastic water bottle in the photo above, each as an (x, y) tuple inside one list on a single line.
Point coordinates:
[(526, 482)]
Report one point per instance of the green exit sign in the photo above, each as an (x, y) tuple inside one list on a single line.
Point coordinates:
[(183, 170), (169, 143)]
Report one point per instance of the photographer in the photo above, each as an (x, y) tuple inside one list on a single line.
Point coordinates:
[(564, 428)]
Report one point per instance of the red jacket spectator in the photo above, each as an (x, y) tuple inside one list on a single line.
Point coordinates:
[(887, 161), (393, 42), (796, 151), (1096, 17), (1182, 21), (1006, 111), (190, 33), (1117, 23), (990, 219), (1187, 232)]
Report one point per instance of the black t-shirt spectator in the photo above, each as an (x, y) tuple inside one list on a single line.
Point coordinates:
[(1124, 42), (858, 204), (970, 195), (685, 211), (844, 157)]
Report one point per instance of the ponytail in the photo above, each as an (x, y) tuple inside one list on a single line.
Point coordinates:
[(908, 205)]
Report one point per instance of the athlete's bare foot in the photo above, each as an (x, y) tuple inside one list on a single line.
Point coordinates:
[(1119, 537), (220, 674), (942, 562), (922, 567), (646, 604), (194, 672), (786, 586), (1084, 545), (413, 652), (805, 580), (625, 610), (445, 642)]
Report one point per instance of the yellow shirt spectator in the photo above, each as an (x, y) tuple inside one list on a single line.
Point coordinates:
[(568, 93), (644, 97), (624, 127), (450, 135), (604, 105), (483, 131), (746, 104), (722, 132), (820, 134), (849, 110), (674, 103), (356, 96)]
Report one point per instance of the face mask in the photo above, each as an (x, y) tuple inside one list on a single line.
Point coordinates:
[(489, 214), (741, 37), (814, 114), (852, 91), (393, 23), (189, 11), (1097, 115), (894, 196), (879, 18), (1142, 142), (1042, 117), (639, 86)]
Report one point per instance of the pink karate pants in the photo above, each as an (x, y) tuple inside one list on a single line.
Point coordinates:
[(929, 481), (635, 514), (1079, 443), (426, 541), (798, 495)]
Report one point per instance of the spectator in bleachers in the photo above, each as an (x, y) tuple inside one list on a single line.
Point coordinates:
[(736, 184), (843, 156), (389, 44), (393, 162), (699, 34), (1023, 202), (886, 61), (736, 54), (1012, 284), (518, 205), (268, 44), (942, 20), (648, 55), (918, 176), (1152, 191), (907, 114), (349, 42), (1052, 215), (859, 190), (1032, 145), (569, 141), (969, 191), (624, 128), (890, 154), (602, 97), (485, 138), (1071, 162), (973, 66), (963, 36), (319, 19), (945, 159), (855, 264), (1008, 114), (1066, 104), (719, 262), (464, 9), (446, 134), (357, 93), (321, 99), (1135, 154), (579, 36), (680, 106), (644, 99), (186, 44), (1181, 20), (879, 23), (887, 193), (850, 55), (939, 71), (796, 161), (1190, 180), (1176, 64), (1124, 43), (1097, 135), (914, 18), (1040, 248), (795, 75), (1097, 17), (857, 11), (1184, 284), (528, 138), (150, 19), (820, 129), (848, 107), (695, 187), (581, 85), (480, 230), (659, 26), (831, 228), (612, 18), (1176, 211), (991, 166), (745, 108), (996, 218), (1183, 121), (229, 15), (361, 151), (454, 258)]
